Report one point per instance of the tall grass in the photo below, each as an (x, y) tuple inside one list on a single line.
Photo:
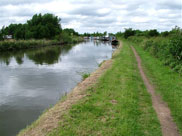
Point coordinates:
[(23, 44), (167, 49), (27, 44)]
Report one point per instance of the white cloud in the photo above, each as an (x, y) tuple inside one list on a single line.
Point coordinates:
[(140, 20), (97, 15)]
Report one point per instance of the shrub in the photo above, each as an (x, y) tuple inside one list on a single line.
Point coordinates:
[(153, 32), (175, 46), (129, 32), (168, 49)]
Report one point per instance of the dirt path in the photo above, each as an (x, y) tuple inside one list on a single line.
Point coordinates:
[(169, 128), (49, 120)]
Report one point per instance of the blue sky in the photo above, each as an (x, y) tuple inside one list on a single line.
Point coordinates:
[(97, 15)]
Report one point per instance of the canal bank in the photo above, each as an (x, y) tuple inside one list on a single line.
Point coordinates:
[(51, 118), (109, 102), (118, 104), (15, 45)]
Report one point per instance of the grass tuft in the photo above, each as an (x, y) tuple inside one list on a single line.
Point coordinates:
[(85, 75)]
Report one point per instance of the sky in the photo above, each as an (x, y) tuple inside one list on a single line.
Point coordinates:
[(97, 15)]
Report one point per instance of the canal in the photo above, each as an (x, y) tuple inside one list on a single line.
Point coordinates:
[(33, 80)]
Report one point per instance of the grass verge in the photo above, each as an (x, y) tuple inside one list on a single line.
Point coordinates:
[(118, 104), (167, 83)]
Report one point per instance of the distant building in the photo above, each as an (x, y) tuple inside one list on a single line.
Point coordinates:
[(8, 37)]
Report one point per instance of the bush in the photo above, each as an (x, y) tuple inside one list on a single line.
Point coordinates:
[(169, 50), (165, 34), (175, 46), (153, 32), (167, 46), (129, 32)]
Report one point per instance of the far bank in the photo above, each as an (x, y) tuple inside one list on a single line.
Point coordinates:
[(15, 45)]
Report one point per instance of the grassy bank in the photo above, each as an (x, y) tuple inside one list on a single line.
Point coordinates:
[(23, 44), (168, 83), (9, 45), (118, 104), (168, 49)]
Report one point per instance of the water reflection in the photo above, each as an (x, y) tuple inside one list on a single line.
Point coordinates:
[(46, 55), (32, 80)]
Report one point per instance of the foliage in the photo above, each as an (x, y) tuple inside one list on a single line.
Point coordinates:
[(1, 36), (175, 46), (165, 33), (111, 34), (71, 32), (105, 33), (119, 34), (65, 37), (45, 26), (128, 32), (153, 32), (167, 48), (147, 33), (42, 28), (97, 34)]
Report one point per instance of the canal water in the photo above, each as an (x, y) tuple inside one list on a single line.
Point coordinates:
[(33, 80)]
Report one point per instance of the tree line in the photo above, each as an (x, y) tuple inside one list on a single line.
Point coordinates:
[(147, 33), (47, 26), (96, 34), (167, 46)]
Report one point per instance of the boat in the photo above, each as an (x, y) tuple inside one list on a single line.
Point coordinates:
[(114, 42), (105, 38)]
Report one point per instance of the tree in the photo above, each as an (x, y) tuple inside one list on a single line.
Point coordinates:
[(28, 34), (1, 36), (129, 32), (153, 32), (44, 26), (11, 29), (105, 33), (119, 34), (71, 31), (19, 32), (165, 34)]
